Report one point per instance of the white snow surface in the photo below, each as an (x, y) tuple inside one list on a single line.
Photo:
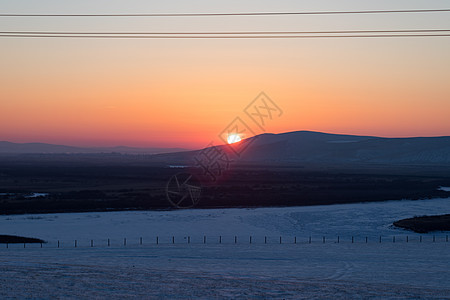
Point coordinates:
[(359, 220), (221, 268)]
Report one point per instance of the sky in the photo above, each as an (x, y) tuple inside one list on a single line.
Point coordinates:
[(183, 93)]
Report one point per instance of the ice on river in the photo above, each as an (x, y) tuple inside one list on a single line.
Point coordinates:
[(227, 270)]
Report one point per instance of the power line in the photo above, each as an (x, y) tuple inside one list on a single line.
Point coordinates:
[(223, 33), (232, 14), (221, 36), (232, 34)]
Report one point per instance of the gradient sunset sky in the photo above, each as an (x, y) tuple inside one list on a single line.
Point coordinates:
[(183, 93)]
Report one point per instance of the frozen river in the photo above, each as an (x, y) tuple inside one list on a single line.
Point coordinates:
[(241, 270), (359, 220)]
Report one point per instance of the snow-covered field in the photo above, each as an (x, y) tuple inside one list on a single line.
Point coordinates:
[(229, 270)]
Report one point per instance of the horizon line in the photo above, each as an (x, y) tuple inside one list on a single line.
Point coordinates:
[(96, 147)]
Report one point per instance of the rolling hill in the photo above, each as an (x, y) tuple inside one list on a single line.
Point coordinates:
[(292, 148), (307, 147), (37, 148)]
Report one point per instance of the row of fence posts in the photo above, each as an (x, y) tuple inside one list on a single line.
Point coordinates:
[(236, 240)]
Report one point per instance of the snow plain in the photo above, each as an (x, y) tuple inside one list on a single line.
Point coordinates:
[(221, 268)]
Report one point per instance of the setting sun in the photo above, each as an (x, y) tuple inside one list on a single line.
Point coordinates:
[(233, 138)]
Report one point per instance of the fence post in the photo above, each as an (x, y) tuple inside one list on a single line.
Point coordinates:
[(310, 239), (109, 243), (58, 244), (75, 243), (92, 243), (280, 239), (140, 241), (366, 239), (220, 239), (250, 239), (157, 240), (323, 239), (352, 239), (235, 239), (124, 241), (204, 239), (265, 240), (295, 240), (189, 239), (173, 240)]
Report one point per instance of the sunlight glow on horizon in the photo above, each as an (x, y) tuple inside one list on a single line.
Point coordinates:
[(233, 138)]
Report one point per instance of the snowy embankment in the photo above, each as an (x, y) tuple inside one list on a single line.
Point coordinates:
[(228, 270)]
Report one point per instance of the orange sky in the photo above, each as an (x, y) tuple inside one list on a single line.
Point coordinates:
[(183, 93)]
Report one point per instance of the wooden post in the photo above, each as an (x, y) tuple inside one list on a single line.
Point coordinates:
[(204, 239), (366, 239), (58, 244), (280, 239), (173, 240), (250, 239), (265, 240), (157, 240), (140, 240), (295, 240), (338, 240), (220, 239)]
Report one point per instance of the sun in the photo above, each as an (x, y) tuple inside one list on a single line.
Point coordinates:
[(233, 138)]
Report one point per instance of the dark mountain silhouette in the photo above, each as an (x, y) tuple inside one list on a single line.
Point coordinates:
[(303, 147), (306, 146), (22, 148), (296, 148)]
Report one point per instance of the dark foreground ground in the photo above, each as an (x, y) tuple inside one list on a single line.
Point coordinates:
[(115, 182), (13, 239), (425, 224)]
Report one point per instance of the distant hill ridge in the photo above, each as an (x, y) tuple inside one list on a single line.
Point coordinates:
[(298, 147), (308, 146), (23, 148)]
